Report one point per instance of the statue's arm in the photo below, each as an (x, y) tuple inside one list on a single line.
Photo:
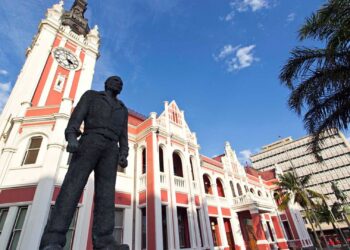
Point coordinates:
[(123, 139), (78, 115)]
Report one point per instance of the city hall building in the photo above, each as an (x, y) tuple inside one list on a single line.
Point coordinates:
[(169, 197)]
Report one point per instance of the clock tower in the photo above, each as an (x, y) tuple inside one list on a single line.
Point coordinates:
[(59, 68)]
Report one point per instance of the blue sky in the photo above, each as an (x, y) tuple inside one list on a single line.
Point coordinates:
[(218, 59)]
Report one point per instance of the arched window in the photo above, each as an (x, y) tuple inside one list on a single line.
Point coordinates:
[(239, 189), (207, 184), (232, 189), (177, 165), (220, 188), (259, 193), (144, 161), (252, 190), (191, 163), (246, 188), (32, 151), (161, 160)]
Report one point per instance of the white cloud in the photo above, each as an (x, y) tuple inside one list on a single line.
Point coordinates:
[(245, 5), (291, 17), (4, 93), (3, 72), (244, 156), (237, 57), (230, 16), (226, 51)]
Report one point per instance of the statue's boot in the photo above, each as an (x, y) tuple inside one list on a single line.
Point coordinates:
[(123, 247), (115, 247), (53, 247)]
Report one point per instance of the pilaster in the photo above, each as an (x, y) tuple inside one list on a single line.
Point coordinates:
[(259, 233)]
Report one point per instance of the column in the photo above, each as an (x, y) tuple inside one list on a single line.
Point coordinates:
[(281, 241), (8, 226), (37, 217), (191, 206), (84, 217), (10, 147), (219, 218), (207, 235), (237, 232), (154, 205), (259, 233)]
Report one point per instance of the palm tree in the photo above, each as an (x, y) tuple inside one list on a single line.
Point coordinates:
[(319, 78), (325, 215), (342, 198), (291, 189)]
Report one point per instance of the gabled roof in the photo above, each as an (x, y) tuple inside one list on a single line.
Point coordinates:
[(211, 161)]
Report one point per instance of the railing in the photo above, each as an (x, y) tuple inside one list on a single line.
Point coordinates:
[(163, 180), (211, 199), (180, 183), (142, 182), (251, 199)]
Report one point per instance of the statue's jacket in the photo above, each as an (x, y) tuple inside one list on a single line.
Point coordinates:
[(101, 114)]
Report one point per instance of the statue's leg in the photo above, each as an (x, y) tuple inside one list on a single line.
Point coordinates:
[(81, 166), (104, 205)]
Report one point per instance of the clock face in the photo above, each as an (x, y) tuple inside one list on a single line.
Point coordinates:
[(66, 59)]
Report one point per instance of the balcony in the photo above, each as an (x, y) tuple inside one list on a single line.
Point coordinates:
[(163, 180), (180, 184), (251, 201), (142, 182)]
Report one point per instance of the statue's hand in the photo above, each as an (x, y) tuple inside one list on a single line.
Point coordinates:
[(123, 162), (73, 145)]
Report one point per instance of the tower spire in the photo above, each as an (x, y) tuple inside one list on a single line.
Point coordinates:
[(74, 18)]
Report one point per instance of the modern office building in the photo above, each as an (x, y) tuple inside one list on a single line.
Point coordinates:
[(334, 167), (169, 197)]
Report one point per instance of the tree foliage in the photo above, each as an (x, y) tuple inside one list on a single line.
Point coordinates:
[(291, 189), (319, 78)]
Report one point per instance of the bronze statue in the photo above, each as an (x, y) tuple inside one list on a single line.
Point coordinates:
[(102, 146)]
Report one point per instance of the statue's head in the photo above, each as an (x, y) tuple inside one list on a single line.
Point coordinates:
[(114, 84)]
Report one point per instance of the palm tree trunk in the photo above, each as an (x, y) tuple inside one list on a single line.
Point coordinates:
[(317, 239)]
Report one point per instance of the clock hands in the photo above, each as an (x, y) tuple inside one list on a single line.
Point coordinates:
[(66, 59)]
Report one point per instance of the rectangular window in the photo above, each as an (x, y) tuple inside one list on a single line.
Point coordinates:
[(270, 230), (71, 229), (143, 228), (32, 152), (164, 227), (3, 215), (287, 230), (184, 234), (214, 228), (17, 228), (199, 225), (144, 161), (118, 225)]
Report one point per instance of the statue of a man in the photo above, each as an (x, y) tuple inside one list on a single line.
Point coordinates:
[(102, 147)]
